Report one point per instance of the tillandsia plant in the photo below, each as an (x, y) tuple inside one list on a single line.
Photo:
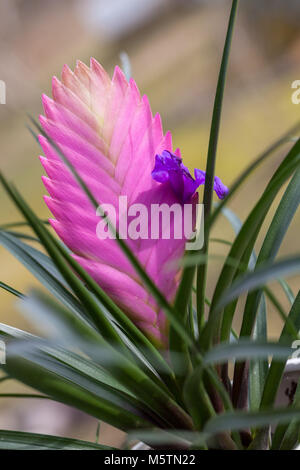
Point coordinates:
[(128, 333)]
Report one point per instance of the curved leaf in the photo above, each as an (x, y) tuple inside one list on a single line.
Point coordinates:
[(265, 273), (17, 440), (244, 242)]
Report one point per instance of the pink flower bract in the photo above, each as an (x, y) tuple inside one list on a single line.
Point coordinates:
[(107, 131)]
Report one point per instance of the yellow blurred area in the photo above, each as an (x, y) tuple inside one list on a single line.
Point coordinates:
[(175, 55)]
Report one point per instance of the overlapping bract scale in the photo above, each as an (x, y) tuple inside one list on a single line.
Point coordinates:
[(107, 131)]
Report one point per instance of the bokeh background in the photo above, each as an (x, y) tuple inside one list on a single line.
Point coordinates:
[(175, 49)]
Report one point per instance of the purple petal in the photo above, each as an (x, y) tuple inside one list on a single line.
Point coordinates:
[(169, 168), (220, 188)]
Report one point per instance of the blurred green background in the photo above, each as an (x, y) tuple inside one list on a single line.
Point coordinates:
[(175, 49)]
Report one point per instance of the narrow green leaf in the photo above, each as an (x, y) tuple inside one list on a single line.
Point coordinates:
[(177, 342), (70, 379), (11, 289), (249, 170), (291, 328), (277, 367), (17, 440), (236, 224), (287, 290), (244, 242), (66, 328), (263, 274), (197, 398), (239, 420), (42, 268), (23, 236), (19, 224), (75, 361), (211, 161), (272, 242), (245, 348), (69, 393), (258, 369), (287, 436), (135, 379), (91, 305), (24, 395), (98, 432), (221, 240)]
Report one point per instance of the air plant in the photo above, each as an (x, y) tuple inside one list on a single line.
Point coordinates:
[(128, 333)]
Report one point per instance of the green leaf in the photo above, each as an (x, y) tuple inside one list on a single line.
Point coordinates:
[(287, 290), (92, 307), (211, 161), (178, 345), (236, 224), (221, 240), (70, 393), (40, 257), (24, 395), (200, 259), (272, 242), (247, 172), (75, 361), (17, 440), (115, 401), (245, 349), (239, 420), (10, 289), (19, 224), (42, 267), (244, 242), (291, 328), (273, 239), (277, 367), (65, 328), (22, 236), (197, 398), (263, 274), (132, 377), (80, 372), (68, 378), (287, 436), (258, 368)]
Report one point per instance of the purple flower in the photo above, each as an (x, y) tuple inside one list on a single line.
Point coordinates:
[(169, 168)]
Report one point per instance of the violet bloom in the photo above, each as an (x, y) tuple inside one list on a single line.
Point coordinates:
[(169, 168)]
